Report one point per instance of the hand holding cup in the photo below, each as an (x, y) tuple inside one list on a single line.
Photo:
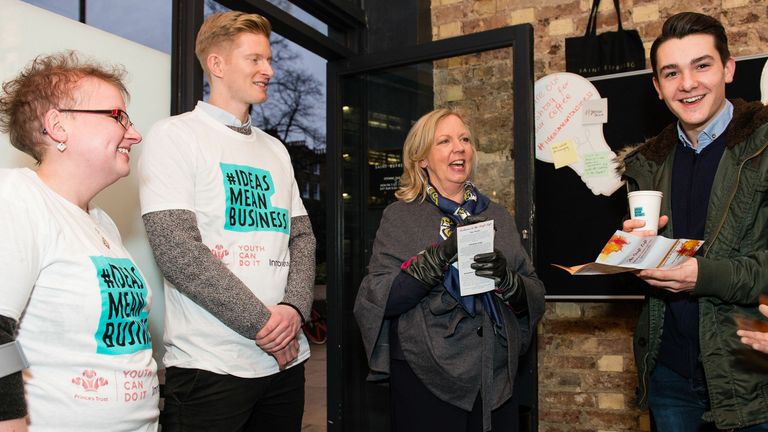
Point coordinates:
[(644, 205)]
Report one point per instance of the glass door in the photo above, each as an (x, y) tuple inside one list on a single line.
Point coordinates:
[(373, 100)]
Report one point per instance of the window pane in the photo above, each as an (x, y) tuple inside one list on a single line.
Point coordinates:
[(301, 15), (67, 8), (147, 22)]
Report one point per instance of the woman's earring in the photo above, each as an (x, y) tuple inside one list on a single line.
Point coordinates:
[(61, 147)]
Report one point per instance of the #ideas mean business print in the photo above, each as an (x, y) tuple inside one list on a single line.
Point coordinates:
[(248, 198)]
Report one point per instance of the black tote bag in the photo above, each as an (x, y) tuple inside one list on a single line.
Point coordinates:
[(606, 53)]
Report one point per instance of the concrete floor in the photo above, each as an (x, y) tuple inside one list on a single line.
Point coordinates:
[(315, 403)]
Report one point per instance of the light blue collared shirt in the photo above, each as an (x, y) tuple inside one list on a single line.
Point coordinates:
[(714, 129), (221, 115)]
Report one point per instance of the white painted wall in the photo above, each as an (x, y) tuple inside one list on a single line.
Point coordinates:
[(26, 32)]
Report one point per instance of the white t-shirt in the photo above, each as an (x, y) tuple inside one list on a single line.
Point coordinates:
[(243, 193), (82, 306)]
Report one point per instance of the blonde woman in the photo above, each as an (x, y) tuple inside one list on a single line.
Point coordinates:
[(450, 360)]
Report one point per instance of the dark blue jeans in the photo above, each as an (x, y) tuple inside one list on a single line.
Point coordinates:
[(678, 403)]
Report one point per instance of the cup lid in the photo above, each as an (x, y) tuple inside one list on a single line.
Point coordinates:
[(646, 192)]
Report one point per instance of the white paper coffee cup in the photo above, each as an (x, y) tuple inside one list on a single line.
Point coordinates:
[(645, 205)]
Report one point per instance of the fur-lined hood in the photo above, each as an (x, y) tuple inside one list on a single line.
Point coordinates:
[(747, 117)]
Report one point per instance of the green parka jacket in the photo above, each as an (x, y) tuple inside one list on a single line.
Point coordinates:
[(733, 270)]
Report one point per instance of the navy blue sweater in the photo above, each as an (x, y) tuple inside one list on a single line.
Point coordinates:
[(692, 178)]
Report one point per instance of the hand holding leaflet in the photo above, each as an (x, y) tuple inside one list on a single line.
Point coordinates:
[(627, 252), (472, 240)]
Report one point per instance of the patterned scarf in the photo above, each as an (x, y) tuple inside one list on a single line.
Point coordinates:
[(454, 214), (245, 129)]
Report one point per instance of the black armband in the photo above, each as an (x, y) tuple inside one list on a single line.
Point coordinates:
[(12, 404)]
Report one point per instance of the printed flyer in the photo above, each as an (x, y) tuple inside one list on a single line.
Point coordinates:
[(627, 252)]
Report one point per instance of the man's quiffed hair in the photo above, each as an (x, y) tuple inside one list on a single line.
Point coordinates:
[(685, 24), (48, 82), (222, 28)]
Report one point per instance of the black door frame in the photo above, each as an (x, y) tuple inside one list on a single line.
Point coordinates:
[(520, 37)]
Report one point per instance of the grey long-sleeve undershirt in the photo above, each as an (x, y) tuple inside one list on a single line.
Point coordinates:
[(189, 265)]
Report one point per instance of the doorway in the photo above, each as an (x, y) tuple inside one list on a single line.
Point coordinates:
[(372, 102)]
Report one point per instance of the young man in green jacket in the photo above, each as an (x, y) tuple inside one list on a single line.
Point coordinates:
[(712, 166)]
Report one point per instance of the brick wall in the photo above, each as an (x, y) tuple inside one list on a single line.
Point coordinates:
[(586, 370), (554, 20), (480, 87)]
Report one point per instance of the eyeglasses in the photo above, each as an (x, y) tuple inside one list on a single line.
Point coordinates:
[(119, 115)]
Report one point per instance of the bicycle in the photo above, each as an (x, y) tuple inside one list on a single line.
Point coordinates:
[(316, 328)]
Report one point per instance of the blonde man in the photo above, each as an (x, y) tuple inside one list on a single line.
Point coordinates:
[(229, 232)]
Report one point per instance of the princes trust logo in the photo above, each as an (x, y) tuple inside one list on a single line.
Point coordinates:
[(90, 382), (219, 252)]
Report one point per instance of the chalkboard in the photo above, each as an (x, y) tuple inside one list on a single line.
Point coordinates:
[(572, 224)]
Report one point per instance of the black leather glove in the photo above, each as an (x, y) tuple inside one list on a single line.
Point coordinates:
[(509, 286), (430, 264)]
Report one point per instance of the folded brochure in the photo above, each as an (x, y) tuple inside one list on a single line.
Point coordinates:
[(627, 252)]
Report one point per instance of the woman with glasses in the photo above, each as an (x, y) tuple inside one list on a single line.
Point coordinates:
[(75, 349)]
